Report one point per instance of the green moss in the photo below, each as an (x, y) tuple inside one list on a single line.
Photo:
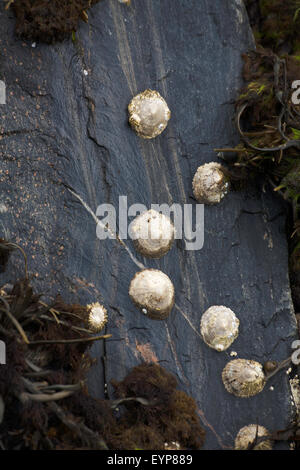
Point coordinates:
[(297, 12), (278, 23), (296, 133)]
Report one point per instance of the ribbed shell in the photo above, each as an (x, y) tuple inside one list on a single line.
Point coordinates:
[(243, 377), (97, 317), (247, 435)]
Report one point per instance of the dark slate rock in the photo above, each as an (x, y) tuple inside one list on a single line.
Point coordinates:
[(62, 129)]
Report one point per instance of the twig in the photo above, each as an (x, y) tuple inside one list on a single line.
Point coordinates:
[(14, 320), (35, 395), (41, 373), (86, 435), (44, 397), (279, 367), (18, 247), (71, 388), (229, 149), (61, 322), (120, 401), (289, 144), (69, 341), (9, 4)]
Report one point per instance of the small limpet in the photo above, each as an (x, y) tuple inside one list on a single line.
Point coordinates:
[(97, 317)]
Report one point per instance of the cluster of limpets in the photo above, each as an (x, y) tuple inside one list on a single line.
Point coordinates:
[(153, 292), (153, 233)]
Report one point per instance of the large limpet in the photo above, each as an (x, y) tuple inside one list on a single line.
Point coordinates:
[(148, 114), (153, 234), (243, 377), (153, 292), (219, 327)]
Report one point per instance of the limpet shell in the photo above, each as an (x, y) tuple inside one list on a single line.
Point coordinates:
[(153, 292), (153, 234), (243, 377), (97, 317), (210, 184), (219, 327), (247, 435), (148, 114)]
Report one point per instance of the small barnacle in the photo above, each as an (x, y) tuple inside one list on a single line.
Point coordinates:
[(127, 2), (174, 445), (97, 317), (219, 327), (152, 290), (243, 377), (153, 234), (210, 184), (247, 436), (148, 114), (270, 366)]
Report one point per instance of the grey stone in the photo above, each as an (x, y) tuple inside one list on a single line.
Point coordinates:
[(65, 129)]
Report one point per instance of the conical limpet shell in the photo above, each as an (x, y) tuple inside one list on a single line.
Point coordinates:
[(148, 114), (243, 377), (153, 292), (247, 435), (219, 327), (97, 317), (153, 234), (210, 184)]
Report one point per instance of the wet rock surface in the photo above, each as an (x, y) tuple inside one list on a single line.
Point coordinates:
[(65, 127)]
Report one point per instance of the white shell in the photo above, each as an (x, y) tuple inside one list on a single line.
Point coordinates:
[(247, 435), (153, 291), (219, 327), (243, 377), (97, 317), (153, 234), (210, 184), (148, 114)]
